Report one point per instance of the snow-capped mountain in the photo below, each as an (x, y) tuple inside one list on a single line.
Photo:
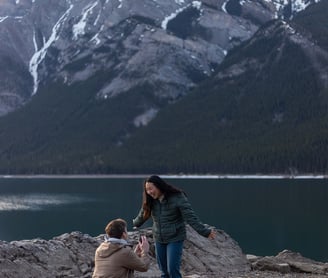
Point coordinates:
[(171, 43), (170, 86)]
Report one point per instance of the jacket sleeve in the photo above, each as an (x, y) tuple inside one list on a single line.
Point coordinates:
[(134, 262), (139, 220), (190, 217)]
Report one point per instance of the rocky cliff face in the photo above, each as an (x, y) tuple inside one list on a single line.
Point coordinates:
[(96, 80), (72, 255), (169, 46)]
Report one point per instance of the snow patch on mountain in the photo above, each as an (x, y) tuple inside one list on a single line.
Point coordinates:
[(118, 36), (295, 5), (300, 5), (145, 118), (3, 18), (40, 54), (79, 28), (18, 1), (195, 4)]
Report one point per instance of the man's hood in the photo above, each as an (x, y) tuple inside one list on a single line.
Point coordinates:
[(107, 249)]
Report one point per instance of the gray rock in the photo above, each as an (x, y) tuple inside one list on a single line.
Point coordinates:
[(286, 262), (72, 255), (129, 40)]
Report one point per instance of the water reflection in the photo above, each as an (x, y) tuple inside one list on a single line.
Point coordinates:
[(36, 201)]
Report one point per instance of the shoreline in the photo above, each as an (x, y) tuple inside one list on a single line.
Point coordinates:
[(166, 176)]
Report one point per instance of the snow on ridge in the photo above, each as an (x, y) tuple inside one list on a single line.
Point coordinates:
[(241, 2), (297, 5), (170, 17), (79, 28), (300, 5), (223, 7), (95, 38), (3, 18), (195, 4), (39, 55), (145, 118), (18, 1), (97, 19)]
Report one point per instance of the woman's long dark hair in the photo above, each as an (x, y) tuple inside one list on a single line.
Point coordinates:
[(165, 188)]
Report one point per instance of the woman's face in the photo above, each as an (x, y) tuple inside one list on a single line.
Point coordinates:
[(152, 190)]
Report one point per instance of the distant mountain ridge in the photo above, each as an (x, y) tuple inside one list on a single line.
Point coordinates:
[(91, 83)]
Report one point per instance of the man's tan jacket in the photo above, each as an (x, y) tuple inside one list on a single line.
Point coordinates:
[(114, 260)]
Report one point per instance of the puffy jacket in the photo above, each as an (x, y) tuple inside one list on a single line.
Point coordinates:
[(117, 261), (169, 218)]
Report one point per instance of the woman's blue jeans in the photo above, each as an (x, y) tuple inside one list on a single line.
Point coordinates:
[(169, 258)]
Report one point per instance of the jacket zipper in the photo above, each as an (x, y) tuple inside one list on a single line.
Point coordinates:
[(159, 222)]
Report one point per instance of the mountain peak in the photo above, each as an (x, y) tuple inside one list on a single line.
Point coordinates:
[(92, 81)]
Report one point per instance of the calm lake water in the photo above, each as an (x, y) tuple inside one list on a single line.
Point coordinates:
[(265, 216)]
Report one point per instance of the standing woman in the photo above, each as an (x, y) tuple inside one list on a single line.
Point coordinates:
[(170, 210)]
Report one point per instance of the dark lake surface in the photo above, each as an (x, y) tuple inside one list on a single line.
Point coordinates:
[(264, 215)]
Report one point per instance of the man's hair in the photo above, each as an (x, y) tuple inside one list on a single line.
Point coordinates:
[(116, 228)]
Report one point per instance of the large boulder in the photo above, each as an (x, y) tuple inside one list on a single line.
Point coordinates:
[(69, 255), (287, 262), (72, 255), (203, 257)]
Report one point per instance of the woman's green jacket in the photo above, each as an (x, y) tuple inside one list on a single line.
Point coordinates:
[(169, 218)]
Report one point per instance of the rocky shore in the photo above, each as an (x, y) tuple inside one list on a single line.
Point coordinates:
[(72, 255)]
